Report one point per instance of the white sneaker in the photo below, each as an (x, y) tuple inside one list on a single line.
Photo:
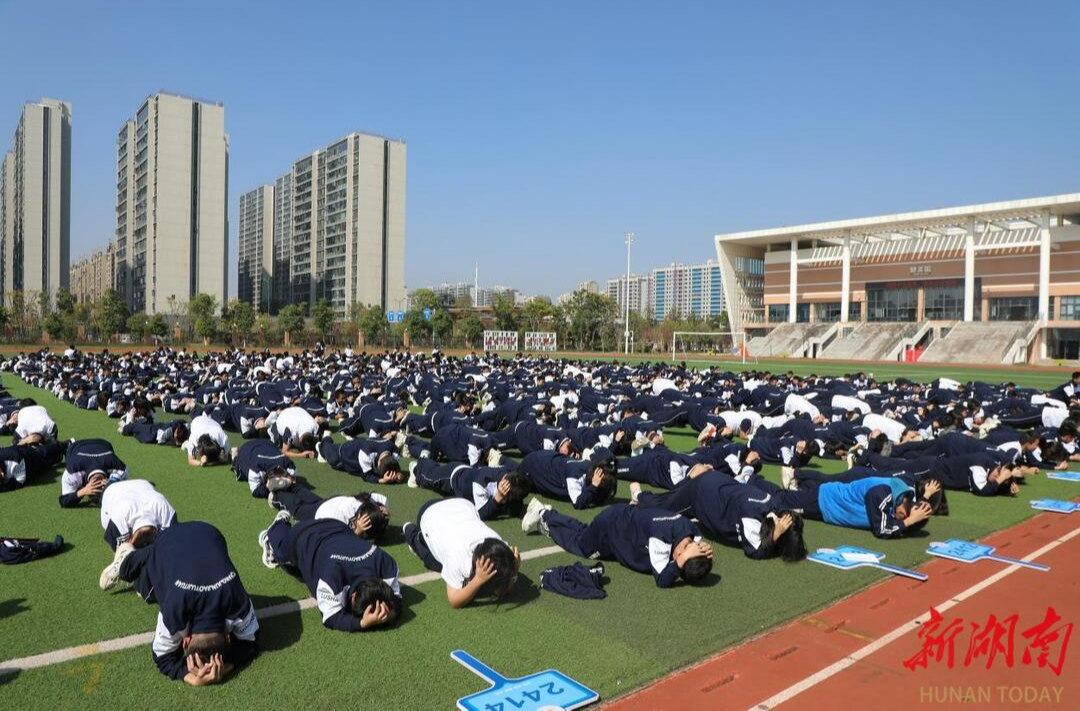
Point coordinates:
[(494, 457), (233, 452), (412, 483), (111, 575), (318, 456), (787, 478), (264, 540), (850, 460), (399, 439), (635, 491), (532, 521)]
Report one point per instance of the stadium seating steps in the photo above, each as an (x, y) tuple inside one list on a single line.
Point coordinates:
[(975, 342), (787, 339), (870, 341)]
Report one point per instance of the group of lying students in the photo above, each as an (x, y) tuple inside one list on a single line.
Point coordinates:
[(575, 429)]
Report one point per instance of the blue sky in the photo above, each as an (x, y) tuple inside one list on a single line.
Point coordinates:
[(539, 132)]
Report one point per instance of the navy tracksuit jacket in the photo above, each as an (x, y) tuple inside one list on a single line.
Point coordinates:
[(724, 508), (254, 459), (333, 561), (188, 573), (560, 477), (659, 467), (153, 432), (639, 537), (477, 484)]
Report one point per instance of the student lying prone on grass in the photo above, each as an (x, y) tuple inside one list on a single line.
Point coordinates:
[(889, 507), (647, 540), (450, 539)]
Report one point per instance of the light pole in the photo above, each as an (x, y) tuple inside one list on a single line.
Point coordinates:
[(629, 237)]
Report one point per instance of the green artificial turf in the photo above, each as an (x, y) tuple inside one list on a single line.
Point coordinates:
[(637, 634)]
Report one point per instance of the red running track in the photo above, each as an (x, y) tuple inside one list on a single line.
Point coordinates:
[(851, 655)]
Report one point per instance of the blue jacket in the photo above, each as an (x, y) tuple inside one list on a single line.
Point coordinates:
[(867, 503)]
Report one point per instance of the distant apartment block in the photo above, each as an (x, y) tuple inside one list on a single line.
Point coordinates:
[(172, 232), (338, 228), (94, 274), (35, 201), (450, 294), (485, 297), (255, 265), (640, 293), (687, 289)]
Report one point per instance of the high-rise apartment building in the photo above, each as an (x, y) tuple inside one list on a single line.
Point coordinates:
[(7, 221), (339, 226), (282, 240), (688, 289), (639, 294), (255, 266), (172, 232), (35, 215)]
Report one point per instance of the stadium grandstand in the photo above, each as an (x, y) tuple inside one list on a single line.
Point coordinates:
[(991, 283)]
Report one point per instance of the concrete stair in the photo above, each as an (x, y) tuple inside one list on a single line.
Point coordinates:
[(870, 341), (976, 342)]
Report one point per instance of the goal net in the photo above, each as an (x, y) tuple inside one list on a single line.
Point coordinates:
[(690, 345)]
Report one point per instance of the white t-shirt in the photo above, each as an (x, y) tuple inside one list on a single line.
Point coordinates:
[(344, 508), (297, 421), (204, 425), (34, 420), (135, 503), (452, 530), (892, 429)]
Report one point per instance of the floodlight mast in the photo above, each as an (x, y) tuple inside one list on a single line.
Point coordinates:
[(629, 237)]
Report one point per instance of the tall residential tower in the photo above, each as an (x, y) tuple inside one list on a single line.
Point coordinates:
[(172, 231), (339, 226), (255, 267), (35, 201)]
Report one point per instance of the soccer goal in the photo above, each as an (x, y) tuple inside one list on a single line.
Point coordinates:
[(687, 345)]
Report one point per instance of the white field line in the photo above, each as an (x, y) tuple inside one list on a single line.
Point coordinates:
[(68, 654), (837, 667)]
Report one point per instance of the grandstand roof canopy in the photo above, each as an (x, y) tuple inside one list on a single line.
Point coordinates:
[(908, 225)]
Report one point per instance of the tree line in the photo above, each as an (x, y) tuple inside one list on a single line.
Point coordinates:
[(586, 321)]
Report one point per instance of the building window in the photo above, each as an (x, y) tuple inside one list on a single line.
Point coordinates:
[(854, 311), (1069, 308), (802, 313), (778, 313), (827, 313), (891, 304), (943, 303), (1063, 343), (1014, 308)]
